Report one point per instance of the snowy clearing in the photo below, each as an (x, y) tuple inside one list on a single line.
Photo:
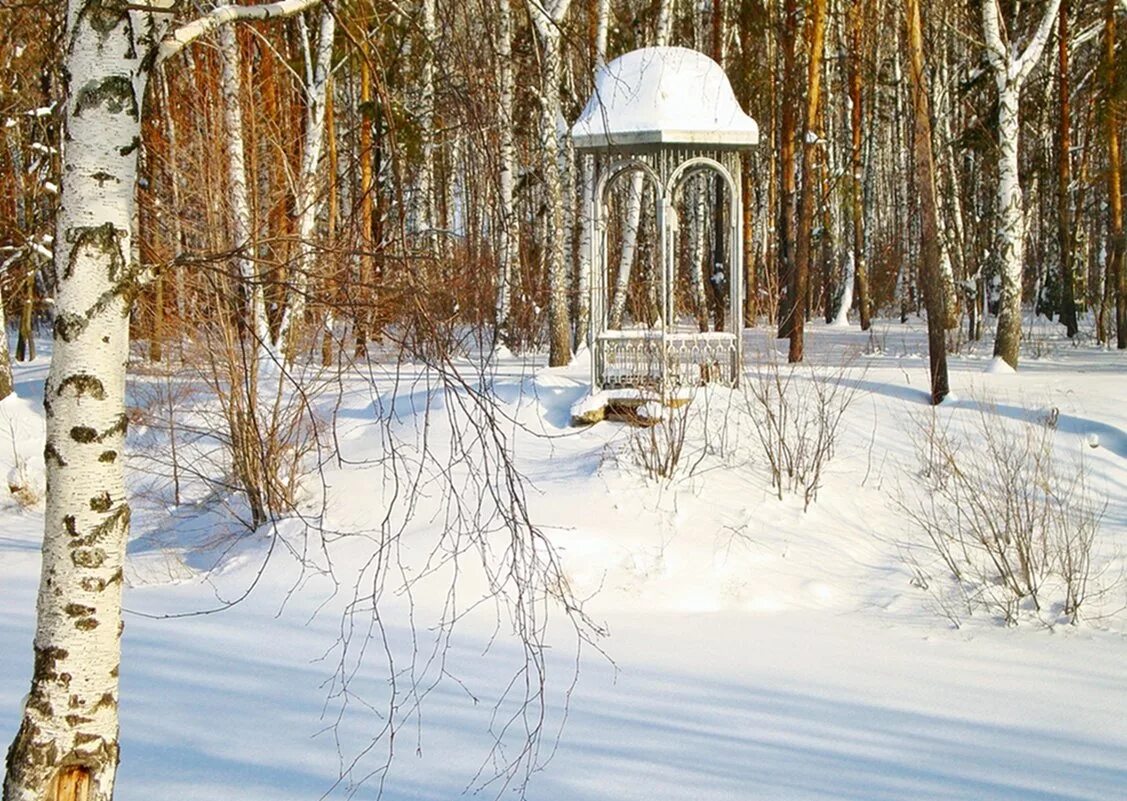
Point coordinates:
[(753, 650)]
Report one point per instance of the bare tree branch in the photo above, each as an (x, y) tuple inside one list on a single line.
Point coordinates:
[(177, 40)]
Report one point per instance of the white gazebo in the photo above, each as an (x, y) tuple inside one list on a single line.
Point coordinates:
[(670, 113)]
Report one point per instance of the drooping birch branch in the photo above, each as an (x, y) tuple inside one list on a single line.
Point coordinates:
[(177, 40)]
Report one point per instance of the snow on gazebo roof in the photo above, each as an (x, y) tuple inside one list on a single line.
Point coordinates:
[(663, 95)]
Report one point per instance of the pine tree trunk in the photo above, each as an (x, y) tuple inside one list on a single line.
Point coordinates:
[(789, 98), (1064, 179), (5, 355), (856, 121), (803, 247), (934, 296), (1117, 258)]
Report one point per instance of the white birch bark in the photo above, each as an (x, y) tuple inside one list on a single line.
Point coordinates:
[(587, 176), (547, 16), (629, 247), (308, 194), (509, 228), (602, 27), (664, 23), (174, 191), (1010, 74), (67, 743), (422, 199), (69, 728), (231, 83)]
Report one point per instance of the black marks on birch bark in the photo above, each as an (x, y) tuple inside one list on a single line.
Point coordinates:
[(104, 15), (115, 92), (85, 435), (83, 384), (92, 584), (90, 558), (120, 517), (51, 454), (101, 240)]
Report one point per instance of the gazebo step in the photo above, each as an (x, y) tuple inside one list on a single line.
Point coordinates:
[(630, 406)]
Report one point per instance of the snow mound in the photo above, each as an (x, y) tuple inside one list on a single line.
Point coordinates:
[(998, 366)]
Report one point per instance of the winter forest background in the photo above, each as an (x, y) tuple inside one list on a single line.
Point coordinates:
[(298, 298)]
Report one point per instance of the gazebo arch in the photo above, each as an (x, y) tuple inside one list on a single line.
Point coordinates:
[(670, 113)]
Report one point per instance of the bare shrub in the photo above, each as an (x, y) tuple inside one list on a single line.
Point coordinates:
[(1011, 527), (796, 413), (266, 426), (25, 485), (658, 445)]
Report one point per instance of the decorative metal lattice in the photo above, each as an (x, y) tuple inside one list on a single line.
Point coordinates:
[(647, 360)]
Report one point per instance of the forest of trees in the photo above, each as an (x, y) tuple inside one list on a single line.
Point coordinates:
[(375, 166), (322, 179)]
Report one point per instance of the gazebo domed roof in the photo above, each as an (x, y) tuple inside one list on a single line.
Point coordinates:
[(663, 95)]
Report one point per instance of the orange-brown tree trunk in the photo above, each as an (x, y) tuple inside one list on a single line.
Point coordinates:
[(934, 297), (787, 211), (857, 206), (1116, 266), (1064, 179), (816, 34)]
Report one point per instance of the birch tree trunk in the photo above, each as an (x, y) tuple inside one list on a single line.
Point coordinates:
[(68, 735), (509, 228), (422, 210), (586, 232), (67, 743), (547, 18), (237, 181), (628, 251), (365, 267), (308, 189), (1010, 74)]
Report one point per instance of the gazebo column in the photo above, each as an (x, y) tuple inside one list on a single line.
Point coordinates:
[(736, 277), (596, 276)]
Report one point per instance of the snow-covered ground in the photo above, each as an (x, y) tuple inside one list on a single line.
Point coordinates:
[(750, 649)]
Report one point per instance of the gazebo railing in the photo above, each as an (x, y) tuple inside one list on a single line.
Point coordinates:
[(644, 359)]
